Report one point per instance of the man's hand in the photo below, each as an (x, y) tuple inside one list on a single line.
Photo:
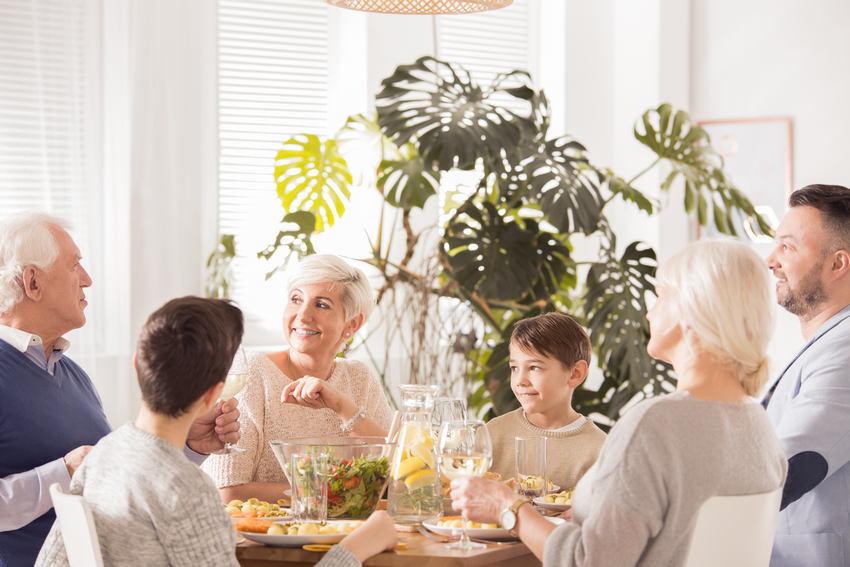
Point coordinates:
[(212, 430), (74, 459)]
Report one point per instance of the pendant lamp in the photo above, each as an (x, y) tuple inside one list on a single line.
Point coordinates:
[(421, 6)]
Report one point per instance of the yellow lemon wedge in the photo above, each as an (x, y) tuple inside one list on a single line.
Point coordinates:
[(407, 466), (420, 478), (424, 452)]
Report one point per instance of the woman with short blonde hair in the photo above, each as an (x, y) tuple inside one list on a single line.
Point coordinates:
[(306, 389)]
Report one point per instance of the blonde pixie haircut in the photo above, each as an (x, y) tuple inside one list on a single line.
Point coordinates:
[(357, 295), (723, 293)]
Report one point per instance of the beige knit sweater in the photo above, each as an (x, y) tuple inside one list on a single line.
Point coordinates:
[(569, 453), (264, 418)]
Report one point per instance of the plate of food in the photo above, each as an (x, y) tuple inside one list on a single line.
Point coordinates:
[(558, 501), (294, 534), (256, 508), (451, 526)]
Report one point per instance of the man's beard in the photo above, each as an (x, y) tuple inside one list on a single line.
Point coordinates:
[(808, 295)]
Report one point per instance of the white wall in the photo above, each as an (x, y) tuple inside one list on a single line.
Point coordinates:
[(778, 58)]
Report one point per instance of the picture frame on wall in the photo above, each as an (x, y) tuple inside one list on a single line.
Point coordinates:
[(757, 155)]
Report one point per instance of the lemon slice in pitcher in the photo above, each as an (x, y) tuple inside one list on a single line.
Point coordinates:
[(424, 453), (408, 466), (420, 479)]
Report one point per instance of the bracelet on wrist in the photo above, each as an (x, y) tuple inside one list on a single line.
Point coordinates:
[(348, 425)]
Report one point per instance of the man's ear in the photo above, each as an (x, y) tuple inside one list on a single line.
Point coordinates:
[(840, 264), (31, 282), (578, 374)]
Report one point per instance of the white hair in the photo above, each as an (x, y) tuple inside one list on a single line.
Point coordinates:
[(724, 296), (26, 239), (357, 295)]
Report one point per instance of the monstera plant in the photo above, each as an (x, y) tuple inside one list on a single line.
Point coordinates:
[(505, 247)]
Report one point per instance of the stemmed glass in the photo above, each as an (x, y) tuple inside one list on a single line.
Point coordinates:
[(233, 384), (465, 450), (446, 409)]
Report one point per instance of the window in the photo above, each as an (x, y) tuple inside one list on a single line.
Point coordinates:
[(273, 83), (49, 120)]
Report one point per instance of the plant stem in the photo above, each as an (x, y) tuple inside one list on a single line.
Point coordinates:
[(635, 178)]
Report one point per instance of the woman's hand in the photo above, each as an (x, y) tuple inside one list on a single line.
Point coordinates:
[(481, 500), (212, 430), (317, 394)]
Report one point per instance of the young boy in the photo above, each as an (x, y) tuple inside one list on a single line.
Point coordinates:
[(550, 354), (152, 506)]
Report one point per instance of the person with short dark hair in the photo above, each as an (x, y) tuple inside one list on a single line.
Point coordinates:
[(550, 354), (151, 505), (808, 402)]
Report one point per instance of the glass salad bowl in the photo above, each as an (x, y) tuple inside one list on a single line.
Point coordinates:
[(358, 469)]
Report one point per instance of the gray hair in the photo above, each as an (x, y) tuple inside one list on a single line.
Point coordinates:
[(25, 240), (724, 297), (357, 295)]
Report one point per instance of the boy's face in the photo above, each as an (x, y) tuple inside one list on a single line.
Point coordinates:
[(542, 384)]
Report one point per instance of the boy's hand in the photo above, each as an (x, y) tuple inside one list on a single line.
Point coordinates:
[(212, 430)]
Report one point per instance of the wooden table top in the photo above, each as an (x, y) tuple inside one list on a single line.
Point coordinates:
[(420, 551)]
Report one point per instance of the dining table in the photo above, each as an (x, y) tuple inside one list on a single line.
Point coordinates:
[(419, 551)]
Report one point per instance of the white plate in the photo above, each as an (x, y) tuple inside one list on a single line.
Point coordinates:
[(480, 533), (272, 518), (550, 505), (292, 540)]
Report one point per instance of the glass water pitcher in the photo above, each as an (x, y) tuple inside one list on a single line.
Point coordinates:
[(415, 494)]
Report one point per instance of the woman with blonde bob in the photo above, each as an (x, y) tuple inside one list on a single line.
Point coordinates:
[(666, 456), (305, 390)]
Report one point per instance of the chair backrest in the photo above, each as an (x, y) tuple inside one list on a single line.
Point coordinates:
[(735, 531), (78, 531)]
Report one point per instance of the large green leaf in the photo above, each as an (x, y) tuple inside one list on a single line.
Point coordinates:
[(562, 181), (686, 148), (312, 176), (615, 307), (499, 257), (407, 182), (453, 121)]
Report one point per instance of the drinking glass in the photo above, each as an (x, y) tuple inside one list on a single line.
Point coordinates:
[(531, 466), (446, 409), (465, 450), (309, 473), (235, 381)]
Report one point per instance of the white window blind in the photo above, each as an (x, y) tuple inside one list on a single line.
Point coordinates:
[(273, 83), (489, 43), (43, 107)]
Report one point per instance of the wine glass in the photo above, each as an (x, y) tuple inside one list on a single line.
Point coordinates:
[(465, 450), (446, 409), (235, 381)]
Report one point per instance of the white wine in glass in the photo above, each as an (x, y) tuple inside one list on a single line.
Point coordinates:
[(465, 450), (233, 384)]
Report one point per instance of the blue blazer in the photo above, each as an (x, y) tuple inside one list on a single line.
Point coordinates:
[(809, 405)]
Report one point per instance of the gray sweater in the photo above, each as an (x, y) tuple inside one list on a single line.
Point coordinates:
[(152, 506), (638, 504)]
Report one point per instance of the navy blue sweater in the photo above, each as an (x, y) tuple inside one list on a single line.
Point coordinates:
[(42, 418)]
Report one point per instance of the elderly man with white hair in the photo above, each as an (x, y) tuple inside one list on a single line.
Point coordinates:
[(50, 414)]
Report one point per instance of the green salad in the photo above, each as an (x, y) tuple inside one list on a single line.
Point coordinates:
[(355, 486)]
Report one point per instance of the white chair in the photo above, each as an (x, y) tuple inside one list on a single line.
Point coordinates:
[(735, 531), (78, 531)]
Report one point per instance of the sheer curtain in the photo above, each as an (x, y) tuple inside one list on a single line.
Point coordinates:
[(49, 117)]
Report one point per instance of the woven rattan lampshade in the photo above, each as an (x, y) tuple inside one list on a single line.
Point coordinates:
[(421, 6)]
